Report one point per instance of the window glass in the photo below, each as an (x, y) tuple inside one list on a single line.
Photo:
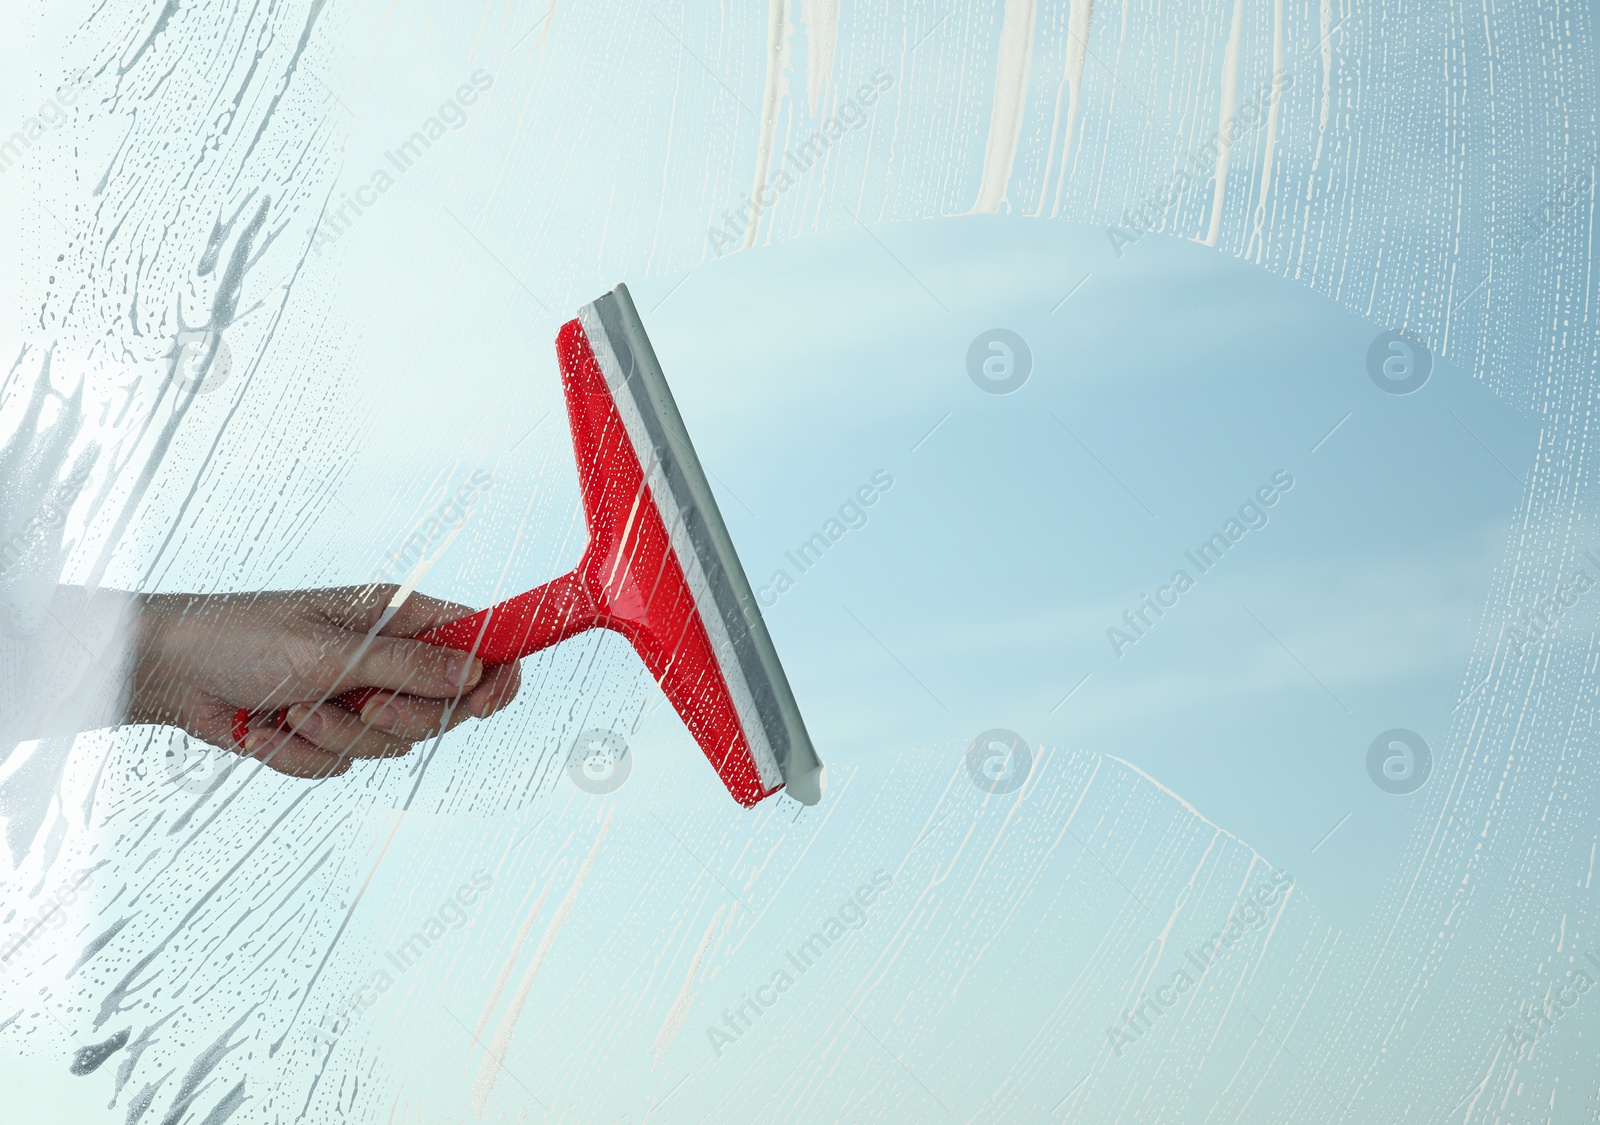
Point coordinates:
[(1149, 445)]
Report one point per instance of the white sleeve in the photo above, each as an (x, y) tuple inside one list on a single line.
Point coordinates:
[(65, 664), (64, 650)]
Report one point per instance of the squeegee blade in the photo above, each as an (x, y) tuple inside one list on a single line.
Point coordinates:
[(727, 607)]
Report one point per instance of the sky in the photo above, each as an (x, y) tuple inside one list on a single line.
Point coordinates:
[(1165, 390)]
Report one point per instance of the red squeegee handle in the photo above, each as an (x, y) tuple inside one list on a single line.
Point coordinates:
[(501, 634)]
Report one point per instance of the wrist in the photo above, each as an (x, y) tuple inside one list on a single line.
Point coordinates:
[(150, 671)]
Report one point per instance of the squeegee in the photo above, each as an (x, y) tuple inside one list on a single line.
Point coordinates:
[(660, 569)]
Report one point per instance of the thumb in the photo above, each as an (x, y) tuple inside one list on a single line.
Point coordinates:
[(405, 666)]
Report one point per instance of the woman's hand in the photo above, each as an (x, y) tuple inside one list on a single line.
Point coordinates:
[(199, 658)]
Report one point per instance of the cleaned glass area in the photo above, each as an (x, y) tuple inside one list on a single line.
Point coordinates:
[(1012, 562)]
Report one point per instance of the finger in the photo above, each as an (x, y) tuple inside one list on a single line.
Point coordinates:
[(361, 608), (291, 755), (211, 719), (496, 690), (398, 664), (419, 613), (415, 718), (411, 717), (348, 607), (336, 731)]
